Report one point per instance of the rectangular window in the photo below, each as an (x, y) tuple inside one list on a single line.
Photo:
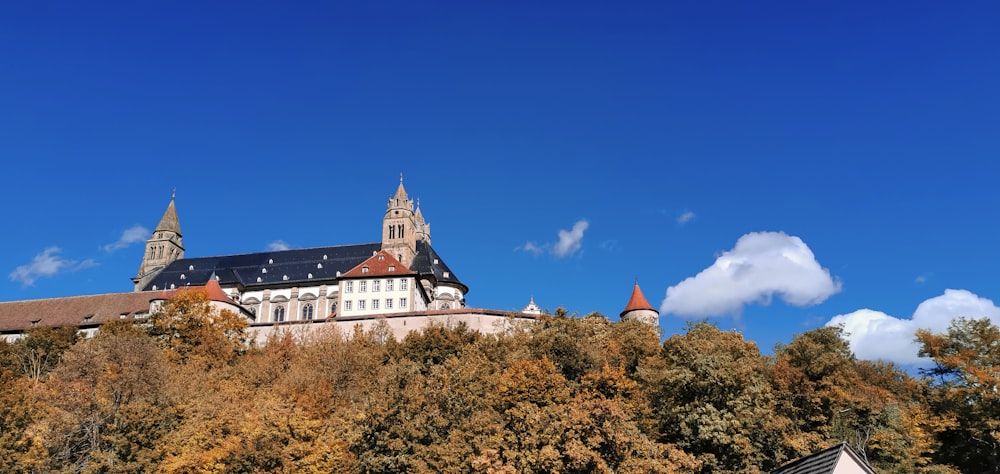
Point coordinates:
[(374, 304), (362, 286), (402, 303), (361, 305), (347, 305), (349, 287), (377, 285), (402, 284), (388, 303), (388, 284)]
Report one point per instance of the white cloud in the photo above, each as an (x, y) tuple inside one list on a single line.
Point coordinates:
[(685, 218), (531, 247), (875, 335), (760, 266), (278, 245), (130, 236), (47, 264), (569, 242), (921, 279)]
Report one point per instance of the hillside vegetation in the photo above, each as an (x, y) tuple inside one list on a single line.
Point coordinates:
[(184, 392)]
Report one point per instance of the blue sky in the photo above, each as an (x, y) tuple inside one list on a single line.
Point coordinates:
[(772, 166)]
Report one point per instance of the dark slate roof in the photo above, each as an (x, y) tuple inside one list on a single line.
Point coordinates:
[(297, 267), (90, 310), (822, 462), (423, 264)]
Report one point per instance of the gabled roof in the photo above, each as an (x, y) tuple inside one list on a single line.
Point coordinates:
[(380, 264), (16, 316), (637, 302), (827, 462)]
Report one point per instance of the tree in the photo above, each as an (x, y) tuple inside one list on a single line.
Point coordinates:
[(710, 393), (190, 329), (108, 412), (39, 351), (966, 381)]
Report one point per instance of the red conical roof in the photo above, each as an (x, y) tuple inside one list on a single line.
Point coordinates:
[(637, 301)]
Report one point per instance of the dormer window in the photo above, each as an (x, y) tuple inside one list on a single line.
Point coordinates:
[(364, 269), (381, 257), (447, 275), (319, 265), (263, 270), (190, 267), (392, 268), (183, 277), (270, 261)]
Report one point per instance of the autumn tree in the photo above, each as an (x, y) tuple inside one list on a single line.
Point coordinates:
[(107, 410), (966, 381), (189, 328), (39, 350), (710, 392)]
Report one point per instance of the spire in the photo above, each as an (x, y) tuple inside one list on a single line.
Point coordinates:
[(169, 221), (400, 191), (637, 301)]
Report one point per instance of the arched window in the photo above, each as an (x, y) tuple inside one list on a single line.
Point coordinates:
[(279, 314), (307, 311)]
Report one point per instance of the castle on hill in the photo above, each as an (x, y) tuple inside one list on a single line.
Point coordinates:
[(400, 280)]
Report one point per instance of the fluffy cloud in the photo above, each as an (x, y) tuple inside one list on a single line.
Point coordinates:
[(875, 335), (47, 264), (760, 266), (131, 235), (569, 242), (685, 218), (278, 245)]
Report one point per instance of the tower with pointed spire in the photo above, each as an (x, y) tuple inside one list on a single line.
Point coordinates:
[(639, 309), (162, 248), (402, 227)]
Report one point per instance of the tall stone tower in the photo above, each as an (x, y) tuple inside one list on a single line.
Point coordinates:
[(162, 248), (400, 230), (639, 309)]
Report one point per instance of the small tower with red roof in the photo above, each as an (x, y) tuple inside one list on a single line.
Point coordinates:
[(639, 309)]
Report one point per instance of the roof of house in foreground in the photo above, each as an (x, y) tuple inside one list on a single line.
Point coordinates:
[(827, 461)]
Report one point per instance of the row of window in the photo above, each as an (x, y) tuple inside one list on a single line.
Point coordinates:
[(376, 285), (308, 311), (363, 304)]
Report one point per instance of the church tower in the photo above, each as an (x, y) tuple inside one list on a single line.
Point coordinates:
[(400, 230), (639, 309), (162, 248)]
